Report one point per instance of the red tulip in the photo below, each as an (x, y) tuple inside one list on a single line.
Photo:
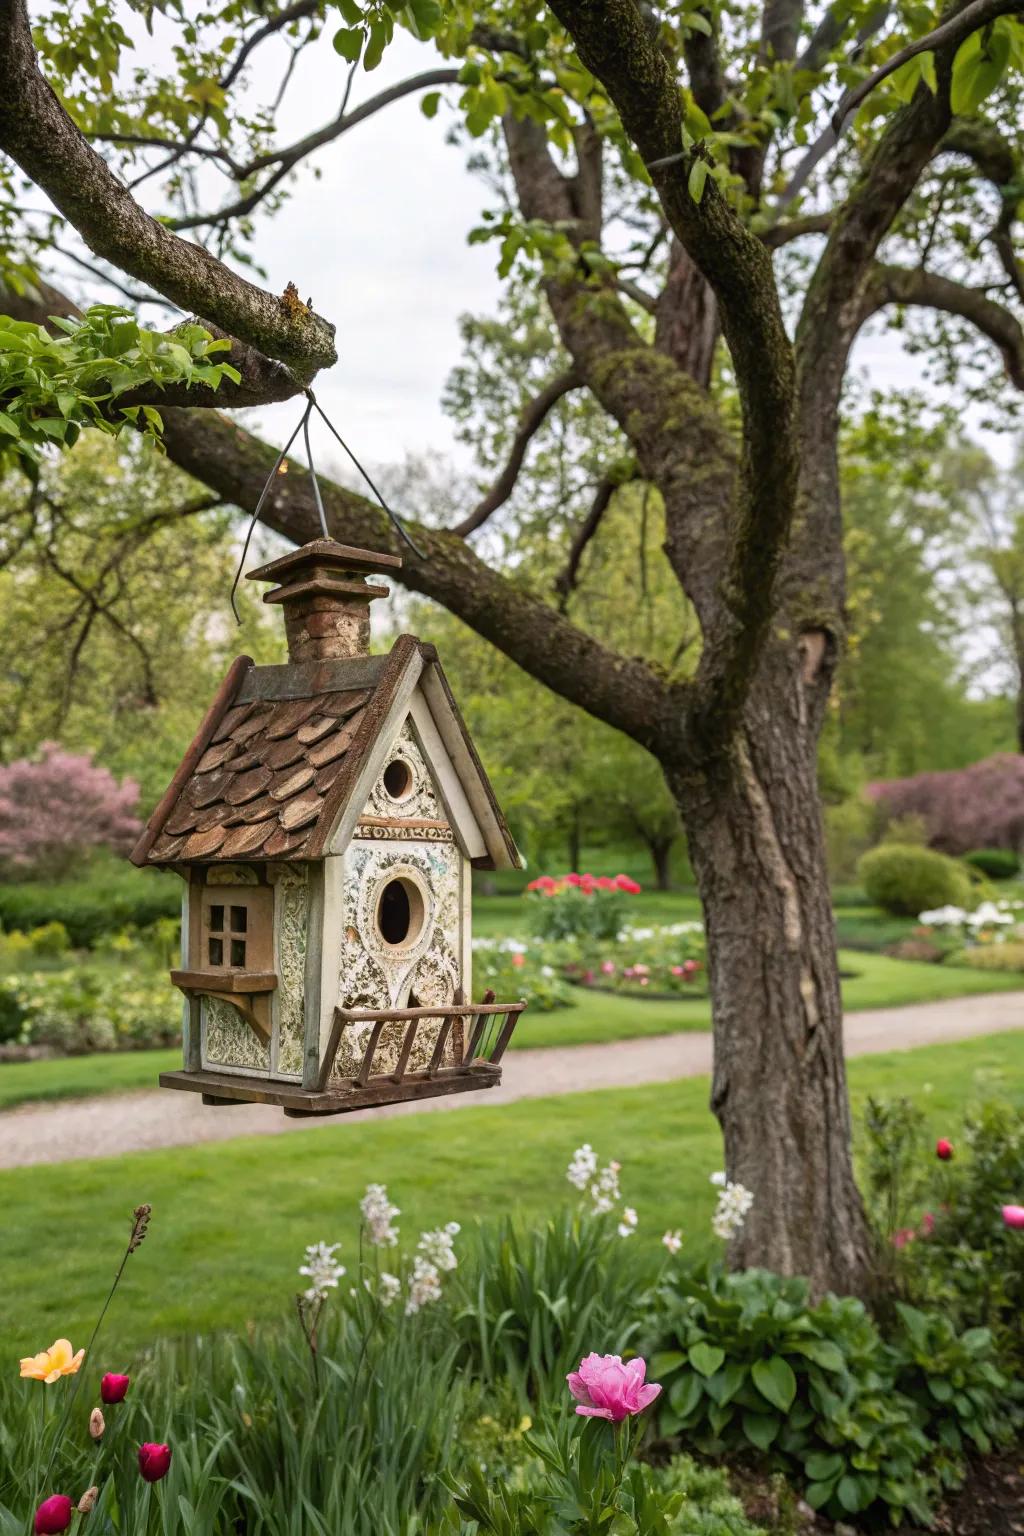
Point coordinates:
[(113, 1389), (154, 1461), (53, 1514), (943, 1150), (1013, 1216)]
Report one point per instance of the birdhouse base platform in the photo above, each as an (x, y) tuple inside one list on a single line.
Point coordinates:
[(224, 1088), (468, 1067)]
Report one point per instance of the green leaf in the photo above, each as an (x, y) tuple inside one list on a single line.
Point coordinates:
[(685, 1394), (851, 1494), (824, 1466), (977, 70), (698, 176), (822, 1351), (664, 1362), (430, 103), (706, 1358), (349, 43), (761, 1428), (775, 1380), (351, 11), (380, 36), (9, 425)]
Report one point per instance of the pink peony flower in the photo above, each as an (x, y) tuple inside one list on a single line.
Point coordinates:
[(943, 1150), (113, 1389), (677, 970), (53, 1515), (608, 967), (604, 1388), (154, 1461), (1013, 1215)]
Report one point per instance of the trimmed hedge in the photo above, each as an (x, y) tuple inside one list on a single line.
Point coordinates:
[(111, 896), (996, 863), (904, 879)]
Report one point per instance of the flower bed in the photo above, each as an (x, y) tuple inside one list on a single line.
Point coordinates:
[(654, 962)]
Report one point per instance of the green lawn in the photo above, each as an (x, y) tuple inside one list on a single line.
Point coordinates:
[(230, 1220), (873, 982)]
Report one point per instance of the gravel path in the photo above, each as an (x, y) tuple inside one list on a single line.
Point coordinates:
[(57, 1133)]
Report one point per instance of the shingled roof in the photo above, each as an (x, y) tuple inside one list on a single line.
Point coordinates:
[(274, 763)]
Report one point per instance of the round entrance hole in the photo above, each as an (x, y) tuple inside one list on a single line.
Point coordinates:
[(398, 778), (400, 913)]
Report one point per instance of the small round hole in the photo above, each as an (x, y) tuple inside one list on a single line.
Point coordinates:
[(400, 913), (398, 778)]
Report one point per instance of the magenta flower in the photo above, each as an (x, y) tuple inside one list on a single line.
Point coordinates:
[(1013, 1215), (53, 1515), (604, 1388)]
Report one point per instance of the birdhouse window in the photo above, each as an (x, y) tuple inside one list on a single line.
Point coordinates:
[(398, 778), (401, 913), (236, 929)]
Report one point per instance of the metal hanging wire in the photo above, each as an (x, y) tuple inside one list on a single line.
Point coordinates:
[(312, 405)]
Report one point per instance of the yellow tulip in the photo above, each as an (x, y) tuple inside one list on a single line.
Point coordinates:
[(53, 1363)]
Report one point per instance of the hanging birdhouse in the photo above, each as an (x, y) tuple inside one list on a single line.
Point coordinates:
[(326, 821)]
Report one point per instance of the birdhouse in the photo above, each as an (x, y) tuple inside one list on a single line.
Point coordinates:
[(326, 821)]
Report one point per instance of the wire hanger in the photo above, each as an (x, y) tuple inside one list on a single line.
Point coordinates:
[(312, 404)]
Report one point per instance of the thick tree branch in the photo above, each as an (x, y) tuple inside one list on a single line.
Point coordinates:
[(614, 45), (778, 235), (914, 286), (623, 691), (533, 416), (40, 137)]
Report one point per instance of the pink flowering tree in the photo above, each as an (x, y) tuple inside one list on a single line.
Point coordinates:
[(59, 806), (977, 807)]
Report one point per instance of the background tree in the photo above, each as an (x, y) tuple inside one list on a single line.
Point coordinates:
[(57, 807), (652, 161)]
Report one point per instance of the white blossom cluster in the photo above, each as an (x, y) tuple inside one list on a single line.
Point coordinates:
[(663, 931), (990, 914), (502, 946), (321, 1269), (437, 1248), (424, 1287), (379, 1214), (673, 1241), (389, 1288), (602, 1184), (734, 1201), (583, 1166)]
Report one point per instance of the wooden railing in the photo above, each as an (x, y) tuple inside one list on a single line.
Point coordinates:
[(481, 1056)]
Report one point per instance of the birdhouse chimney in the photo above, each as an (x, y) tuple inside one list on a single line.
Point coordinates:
[(326, 597)]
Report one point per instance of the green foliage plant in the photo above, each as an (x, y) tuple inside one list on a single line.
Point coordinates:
[(904, 879), (750, 1365), (53, 385), (994, 863)]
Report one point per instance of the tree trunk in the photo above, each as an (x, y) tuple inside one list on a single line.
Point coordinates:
[(660, 850), (574, 839), (756, 842)]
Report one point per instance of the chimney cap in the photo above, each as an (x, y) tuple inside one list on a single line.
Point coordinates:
[(323, 553)]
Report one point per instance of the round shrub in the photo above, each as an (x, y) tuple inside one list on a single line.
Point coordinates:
[(996, 863), (905, 880)]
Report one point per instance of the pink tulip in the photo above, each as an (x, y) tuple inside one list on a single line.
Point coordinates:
[(1013, 1215), (53, 1515), (113, 1389), (604, 1388)]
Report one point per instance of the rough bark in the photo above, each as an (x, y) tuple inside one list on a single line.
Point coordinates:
[(779, 1090)]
